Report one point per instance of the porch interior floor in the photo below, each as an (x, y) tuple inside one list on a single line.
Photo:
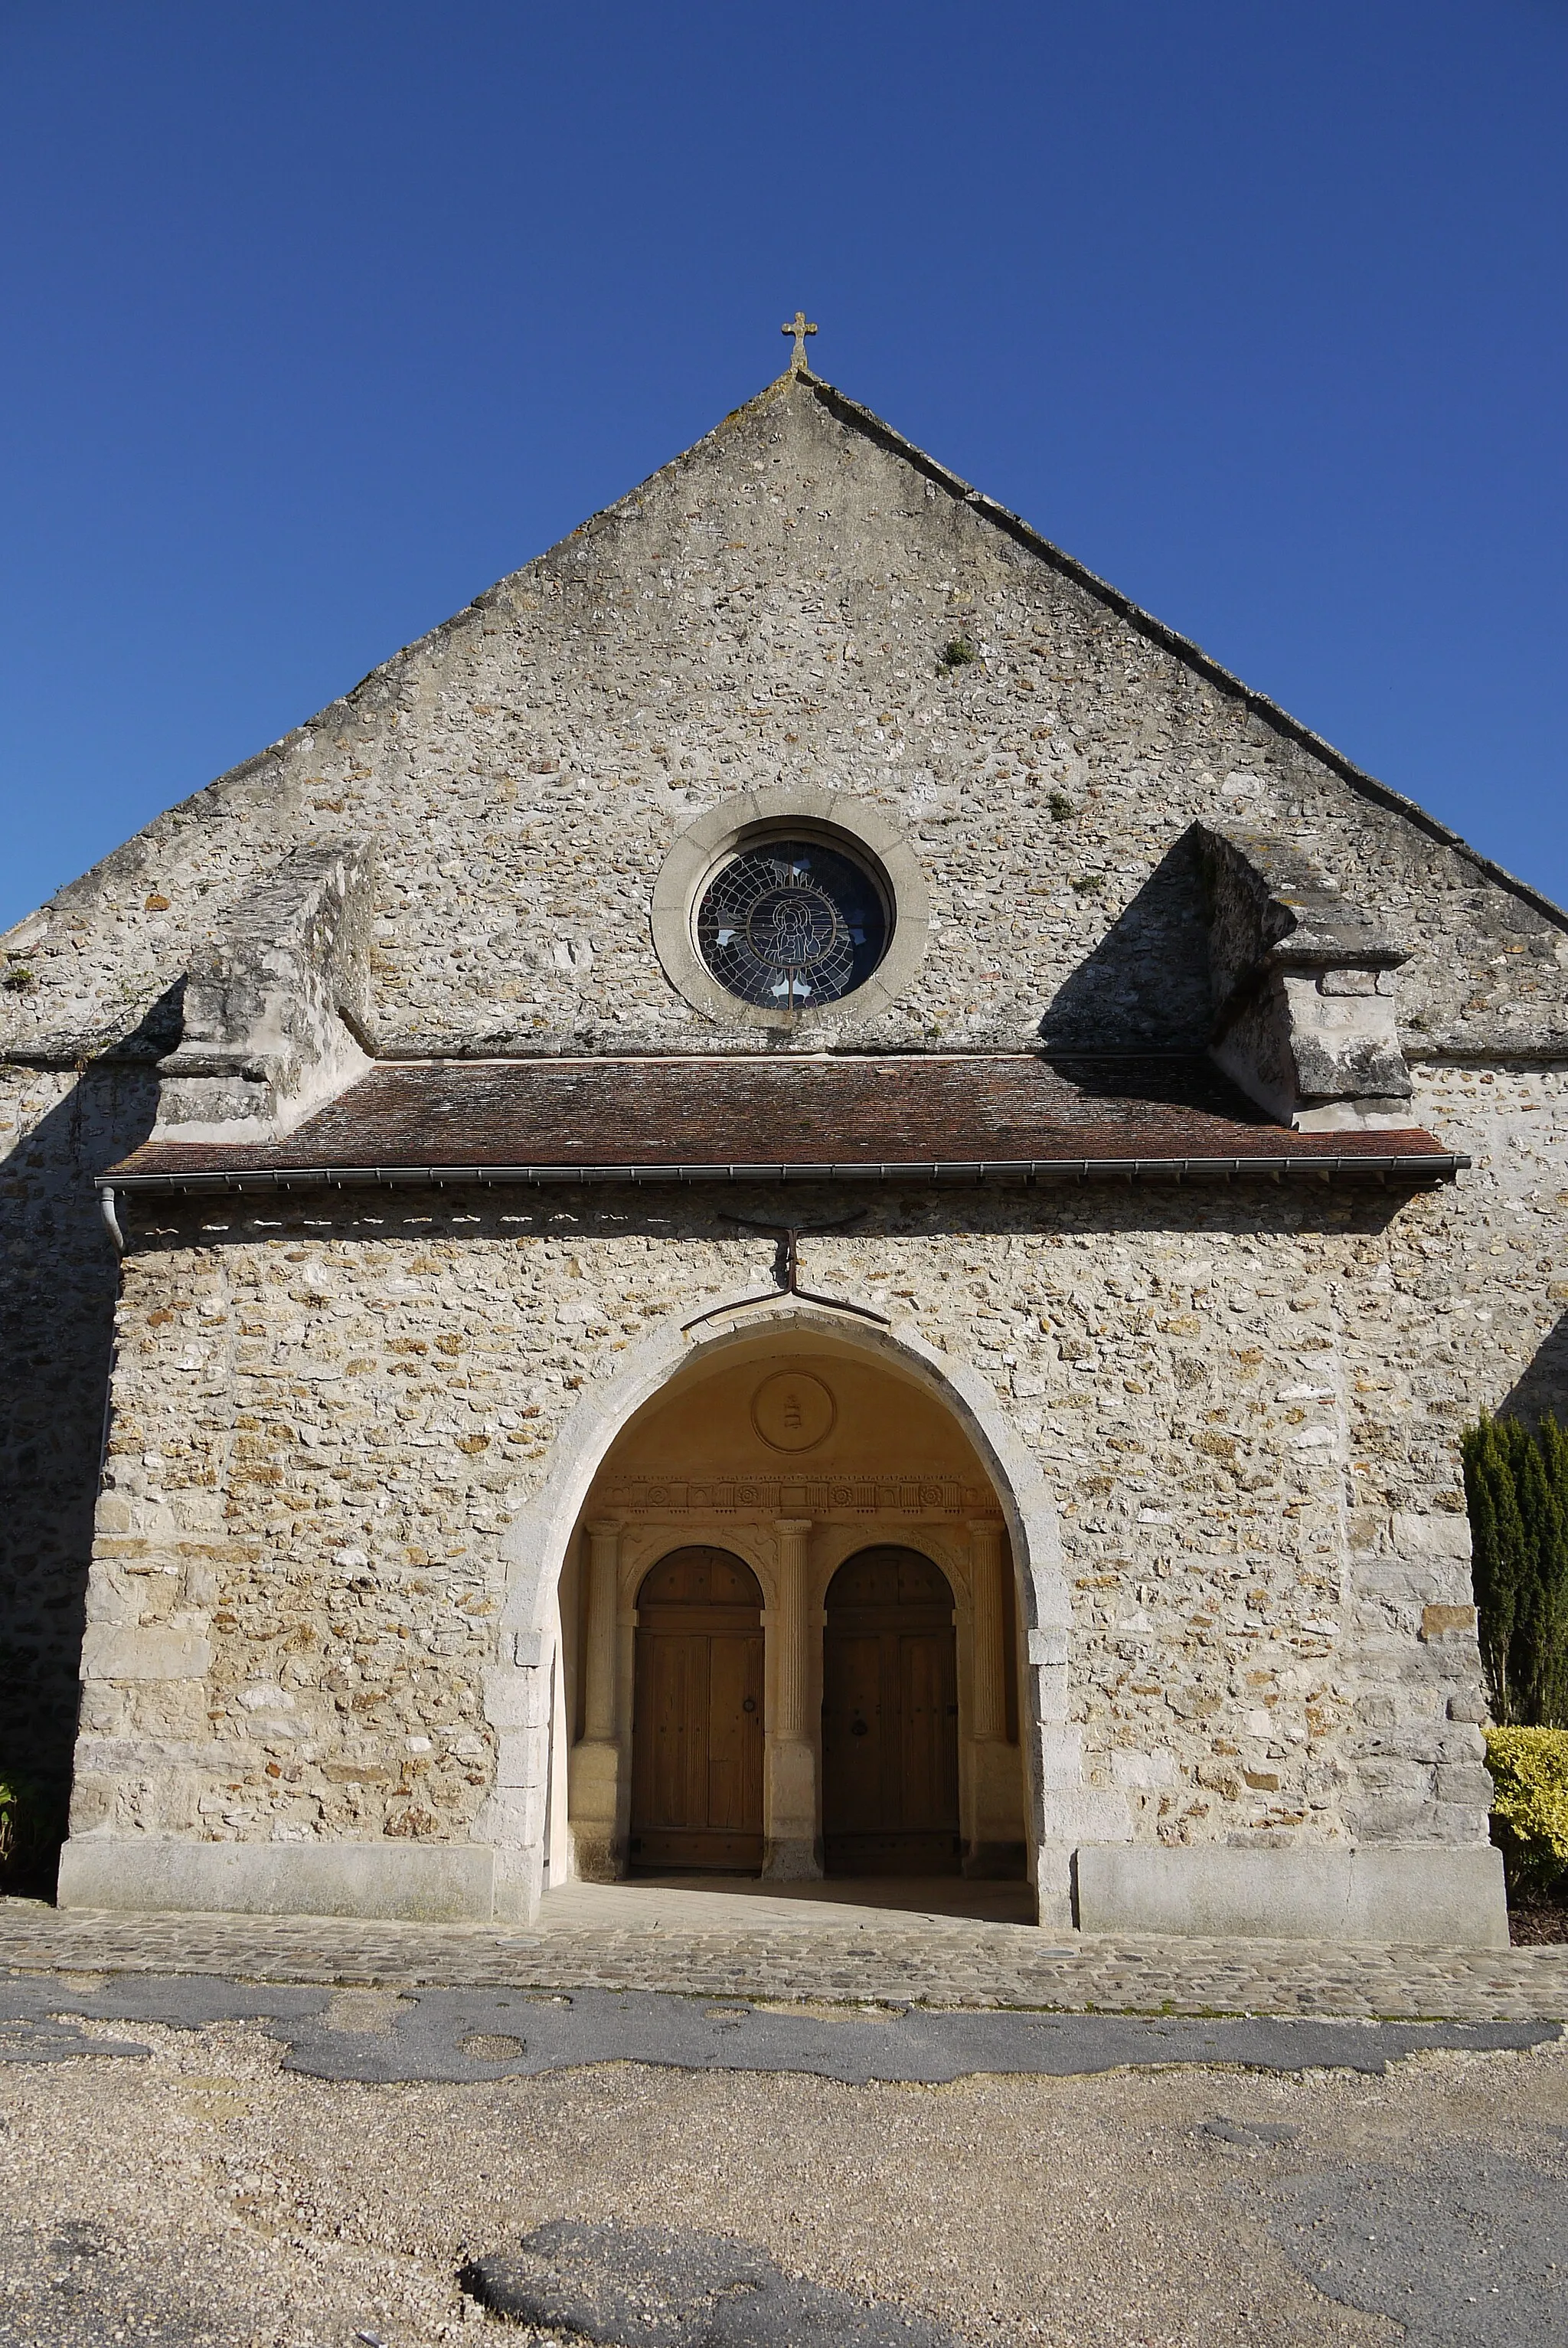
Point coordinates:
[(736, 1902)]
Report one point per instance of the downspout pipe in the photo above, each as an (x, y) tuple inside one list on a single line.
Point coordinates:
[(111, 1222)]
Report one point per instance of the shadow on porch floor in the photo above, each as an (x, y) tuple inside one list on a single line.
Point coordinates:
[(733, 1904)]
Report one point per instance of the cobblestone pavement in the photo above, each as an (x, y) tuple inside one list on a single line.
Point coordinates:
[(717, 1943)]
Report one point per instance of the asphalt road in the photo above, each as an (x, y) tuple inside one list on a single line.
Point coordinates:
[(489, 2034), (197, 2161)]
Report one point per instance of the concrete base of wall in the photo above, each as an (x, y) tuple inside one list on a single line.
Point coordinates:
[(1413, 1896), (415, 1883)]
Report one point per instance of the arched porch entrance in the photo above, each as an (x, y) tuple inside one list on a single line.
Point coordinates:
[(839, 1490)]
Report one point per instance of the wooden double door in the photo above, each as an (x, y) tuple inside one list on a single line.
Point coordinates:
[(890, 1718), (697, 1735)]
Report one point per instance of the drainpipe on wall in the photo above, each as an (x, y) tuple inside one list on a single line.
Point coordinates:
[(111, 1224)]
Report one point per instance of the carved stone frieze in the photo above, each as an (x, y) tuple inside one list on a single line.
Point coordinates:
[(822, 1498)]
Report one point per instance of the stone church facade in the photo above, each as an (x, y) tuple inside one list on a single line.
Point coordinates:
[(800, 1197)]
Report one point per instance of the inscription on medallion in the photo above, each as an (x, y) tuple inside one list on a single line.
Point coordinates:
[(793, 1411)]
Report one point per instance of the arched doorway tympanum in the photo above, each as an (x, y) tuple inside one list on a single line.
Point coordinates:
[(890, 1718), (697, 1719)]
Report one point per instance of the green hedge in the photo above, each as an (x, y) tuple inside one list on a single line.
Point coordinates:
[(1529, 1805), (1516, 1484)]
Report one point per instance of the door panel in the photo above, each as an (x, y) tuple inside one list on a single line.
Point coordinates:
[(697, 1738), (889, 1718), (928, 1708), (734, 1791), (852, 1793), (670, 1700)]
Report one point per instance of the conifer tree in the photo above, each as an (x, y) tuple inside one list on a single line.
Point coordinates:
[(1516, 1484)]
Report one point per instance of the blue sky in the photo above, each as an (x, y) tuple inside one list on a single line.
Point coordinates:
[(320, 317)]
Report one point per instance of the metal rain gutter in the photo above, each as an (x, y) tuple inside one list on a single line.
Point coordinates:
[(1441, 1166)]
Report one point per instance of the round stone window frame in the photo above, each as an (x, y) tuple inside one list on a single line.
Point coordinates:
[(750, 819)]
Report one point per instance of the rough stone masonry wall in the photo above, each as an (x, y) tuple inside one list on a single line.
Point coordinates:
[(1247, 1406), (321, 1425), (772, 607), (1498, 1293), (58, 1280)]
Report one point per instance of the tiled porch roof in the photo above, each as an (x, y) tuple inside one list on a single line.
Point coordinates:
[(916, 1119)]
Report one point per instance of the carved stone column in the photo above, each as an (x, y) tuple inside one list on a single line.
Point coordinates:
[(988, 1715), (792, 1833), (595, 1775), (600, 1723), (996, 1809)]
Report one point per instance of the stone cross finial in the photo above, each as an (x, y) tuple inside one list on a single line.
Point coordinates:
[(800, 329)]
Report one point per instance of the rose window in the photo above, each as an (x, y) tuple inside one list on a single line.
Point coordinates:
[(791, 923)]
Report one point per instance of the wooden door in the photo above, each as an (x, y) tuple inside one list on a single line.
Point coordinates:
[(890, 1718), (697, 1733)]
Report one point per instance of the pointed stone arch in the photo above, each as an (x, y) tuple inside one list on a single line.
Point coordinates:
[(1061, 1811)]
